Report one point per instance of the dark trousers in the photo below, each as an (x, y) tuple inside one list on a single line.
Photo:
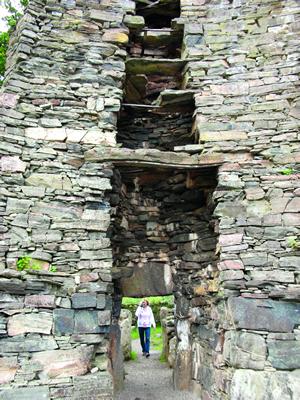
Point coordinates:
[(145, 338)]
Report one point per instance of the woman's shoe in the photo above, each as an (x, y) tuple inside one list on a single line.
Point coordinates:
[(147, 355), (143, 354)]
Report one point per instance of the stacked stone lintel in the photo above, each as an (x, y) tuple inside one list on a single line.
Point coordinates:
[(245, 68)]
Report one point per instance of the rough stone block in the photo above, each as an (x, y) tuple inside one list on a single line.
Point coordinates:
[(103, 16), (275, 276), (245, 350), (17, 205), (104, 317), (63, 321), (284, 354), (229, 240), (8, 368), (261, 385), (54, 181), (101, 301), (64, 362), (230, 264), (21, 345), (40, 300), (264, 315), (26, 393), (90, 386), (12, 163), (25, 323), (86, 321), (84, 300)]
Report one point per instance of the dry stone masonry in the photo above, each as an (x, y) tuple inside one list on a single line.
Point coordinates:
[(151, 147)]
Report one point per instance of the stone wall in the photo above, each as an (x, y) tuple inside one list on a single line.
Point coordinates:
[(76, 201), (245, 71)]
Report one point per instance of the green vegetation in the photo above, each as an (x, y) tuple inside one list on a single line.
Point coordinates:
[(162, 359), (287, 172), (134, 334), (11, 19), (152, 300), (294, 243), (24, 263), (133, 356), (156, 339)]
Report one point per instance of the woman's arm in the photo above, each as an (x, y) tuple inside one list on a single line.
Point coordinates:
[(139, 309), (152, 320)]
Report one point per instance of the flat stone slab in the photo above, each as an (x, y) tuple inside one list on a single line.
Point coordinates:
[(26, 323), (8, 369), (26, 393), (64, 363), (284, 354), (262, 385), (152, 157), (264, 315)]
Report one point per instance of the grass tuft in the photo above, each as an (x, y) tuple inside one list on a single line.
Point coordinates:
[(133, 356)]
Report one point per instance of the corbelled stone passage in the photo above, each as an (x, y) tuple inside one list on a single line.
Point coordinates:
[(91, 199), (167, 230)]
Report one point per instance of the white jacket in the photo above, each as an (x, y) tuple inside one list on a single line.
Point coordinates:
[(145, 317)]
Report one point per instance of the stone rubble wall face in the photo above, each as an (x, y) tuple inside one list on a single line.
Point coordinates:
[(246, 74), (61, 96)]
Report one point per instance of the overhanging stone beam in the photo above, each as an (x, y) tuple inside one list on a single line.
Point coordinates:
[(152, 157)]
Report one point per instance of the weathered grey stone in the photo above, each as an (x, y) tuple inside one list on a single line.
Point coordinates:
[(84, 300), (265, 315), (116, 356), (284, 354), (104, 317), (289, 262), (101, 301), (49, 181), (91, 385), (245, 350), (94, 182), (56, 209), (17, 206), (23, 323), (24, 345), (125, 323), (8, 369), (64, 363), (275, 275), (86, 321), (94, 244), (43, 301), (26, 393), (262, 385), (63, 321), (258, 259), (229, 209)]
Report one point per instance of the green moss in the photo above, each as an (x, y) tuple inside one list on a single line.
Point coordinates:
[(133, 356)]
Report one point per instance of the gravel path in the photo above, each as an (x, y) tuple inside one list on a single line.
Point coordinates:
[(149, 379)]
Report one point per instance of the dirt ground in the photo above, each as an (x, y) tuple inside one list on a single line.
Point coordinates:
[(149, 379)]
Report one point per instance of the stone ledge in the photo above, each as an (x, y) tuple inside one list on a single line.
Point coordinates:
[(151, 157)]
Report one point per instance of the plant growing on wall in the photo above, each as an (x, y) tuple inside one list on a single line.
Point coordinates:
[(12, 17), (23, 263), (294, 243)]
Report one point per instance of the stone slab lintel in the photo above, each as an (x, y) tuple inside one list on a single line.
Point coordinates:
[(152, 158)]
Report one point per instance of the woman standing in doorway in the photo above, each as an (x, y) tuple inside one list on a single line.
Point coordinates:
[(145, 320)]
